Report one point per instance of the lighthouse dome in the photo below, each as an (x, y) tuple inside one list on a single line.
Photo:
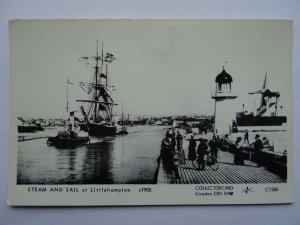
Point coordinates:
[(223, 77)]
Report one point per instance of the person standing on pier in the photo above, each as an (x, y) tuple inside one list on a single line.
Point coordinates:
[(168, 157), (166, 152), (213, 144), (192, 149), (201, 153), (246, 137), (234, 127), (168, 134), (179, 141), (226, 137), (238, 156), (173, 141), (266, 142), (258, 147), (200, 128)]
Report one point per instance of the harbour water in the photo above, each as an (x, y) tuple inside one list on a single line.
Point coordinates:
[(129, 159)]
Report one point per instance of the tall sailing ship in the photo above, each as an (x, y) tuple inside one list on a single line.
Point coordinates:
[(98, 110)]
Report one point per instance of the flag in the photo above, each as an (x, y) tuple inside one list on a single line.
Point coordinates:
[(109, 57), (103, 75)]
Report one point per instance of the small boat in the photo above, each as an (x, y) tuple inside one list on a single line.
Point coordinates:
[(67, 138), (122, 132), (25, 127), (29, 128)]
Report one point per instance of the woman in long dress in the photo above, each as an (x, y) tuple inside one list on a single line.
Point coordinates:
[(238, 156), (192, 149)]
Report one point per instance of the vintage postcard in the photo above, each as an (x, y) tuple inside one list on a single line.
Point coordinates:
[(150, 112)]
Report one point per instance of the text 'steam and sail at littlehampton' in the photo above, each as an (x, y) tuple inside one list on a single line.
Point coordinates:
[(98, 115)]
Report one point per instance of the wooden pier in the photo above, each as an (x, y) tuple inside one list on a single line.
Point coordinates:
[(24, 138), (228, 173)]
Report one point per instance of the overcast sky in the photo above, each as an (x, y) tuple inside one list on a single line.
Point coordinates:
[(162, 67)]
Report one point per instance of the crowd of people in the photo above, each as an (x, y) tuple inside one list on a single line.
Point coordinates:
[(205, 126), (203, 149), (172, 153), (257, 147)]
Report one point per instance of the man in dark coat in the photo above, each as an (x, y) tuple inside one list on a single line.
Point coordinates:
[(179, 140), (173, 141), (192, 149), (202, 147), (166, 152), (213, 144), (238, 156), (246, 137), (258, 147)]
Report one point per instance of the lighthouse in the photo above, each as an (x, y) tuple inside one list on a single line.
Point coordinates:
[(224, 103)]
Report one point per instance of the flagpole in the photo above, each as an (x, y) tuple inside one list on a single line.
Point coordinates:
[(106, 73), (67, 95)]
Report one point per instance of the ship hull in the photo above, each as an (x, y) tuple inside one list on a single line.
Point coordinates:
[(101, 130), (29, 129), (248, 120), (67, 142)]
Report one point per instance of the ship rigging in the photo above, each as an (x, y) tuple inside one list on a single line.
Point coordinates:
[(98, 115)]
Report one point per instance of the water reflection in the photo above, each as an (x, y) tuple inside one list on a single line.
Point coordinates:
[(97, 163), (116, 160)]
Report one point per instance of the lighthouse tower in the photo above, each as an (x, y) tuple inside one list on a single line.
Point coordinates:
[(224, 103)]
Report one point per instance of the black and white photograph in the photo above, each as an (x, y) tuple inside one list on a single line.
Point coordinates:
[(151, 102)]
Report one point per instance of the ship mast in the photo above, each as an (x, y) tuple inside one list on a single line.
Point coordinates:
[(122, 122), (106, 72), (101, 97), (68, 82), (97, 58), (67, 96)]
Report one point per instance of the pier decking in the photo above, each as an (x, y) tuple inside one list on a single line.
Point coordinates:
[(227, 173)]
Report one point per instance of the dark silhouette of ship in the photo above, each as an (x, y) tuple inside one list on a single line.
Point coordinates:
[(25, 127), (98, 113), (267, 112)]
